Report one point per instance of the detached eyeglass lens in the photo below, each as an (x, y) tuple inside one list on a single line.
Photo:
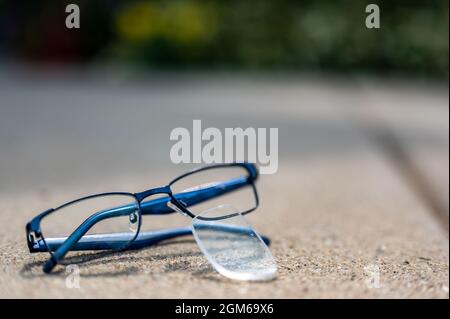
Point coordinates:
[(232, 246)]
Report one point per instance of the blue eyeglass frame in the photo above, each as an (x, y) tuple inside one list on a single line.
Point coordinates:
[(78, 240)]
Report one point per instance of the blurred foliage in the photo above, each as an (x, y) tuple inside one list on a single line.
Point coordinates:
[(284, 34)]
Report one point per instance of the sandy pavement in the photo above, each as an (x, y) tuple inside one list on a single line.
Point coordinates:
[(339, 208)]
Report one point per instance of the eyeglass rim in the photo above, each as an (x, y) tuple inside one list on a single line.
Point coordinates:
[(54, 210), (251, 169), (253, 173)]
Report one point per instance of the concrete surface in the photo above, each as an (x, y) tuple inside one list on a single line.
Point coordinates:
[(338, 209)]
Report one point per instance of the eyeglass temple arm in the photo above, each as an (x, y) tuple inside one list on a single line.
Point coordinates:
[(159, 205), (144, 239)]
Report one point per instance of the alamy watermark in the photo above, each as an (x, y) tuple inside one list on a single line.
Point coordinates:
[(372, 272), (373, 18), (73, 17), (73, 276), (211, 145)]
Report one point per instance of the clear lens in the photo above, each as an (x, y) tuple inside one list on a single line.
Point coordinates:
[(232, 246), (242, 198), (117, 222)]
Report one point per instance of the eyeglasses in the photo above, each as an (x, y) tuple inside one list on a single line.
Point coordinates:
[(215, 197)]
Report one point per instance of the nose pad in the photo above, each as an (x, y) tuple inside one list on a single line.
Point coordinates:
[(175, 208), (133, 220)]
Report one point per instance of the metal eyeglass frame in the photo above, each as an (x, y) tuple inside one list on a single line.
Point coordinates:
[(59, 247)]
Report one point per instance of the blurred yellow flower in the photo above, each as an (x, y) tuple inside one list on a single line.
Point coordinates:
[(138, 21), (186, 22), (180, 22)]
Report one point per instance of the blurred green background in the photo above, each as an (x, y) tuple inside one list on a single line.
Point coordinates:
[(245, 35)]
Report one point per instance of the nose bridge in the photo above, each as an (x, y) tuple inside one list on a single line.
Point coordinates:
[(159, 190)]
